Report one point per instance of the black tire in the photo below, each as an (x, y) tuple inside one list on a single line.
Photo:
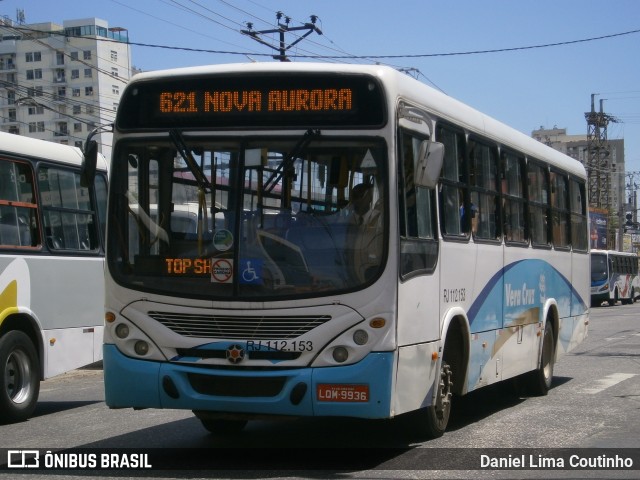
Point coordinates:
[(19, 377), (614, 300), (433, 420), (538, 382)]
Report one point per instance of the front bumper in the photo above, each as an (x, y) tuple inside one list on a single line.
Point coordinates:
[(147, 384)]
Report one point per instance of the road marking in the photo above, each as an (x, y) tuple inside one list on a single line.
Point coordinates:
[(608, 381)]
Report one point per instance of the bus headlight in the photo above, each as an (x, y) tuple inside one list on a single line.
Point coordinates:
[(360, 337), (122, 330), (131, 340), (141, 347), (340, 354)]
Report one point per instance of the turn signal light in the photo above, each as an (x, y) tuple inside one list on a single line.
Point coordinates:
[(377, 322)]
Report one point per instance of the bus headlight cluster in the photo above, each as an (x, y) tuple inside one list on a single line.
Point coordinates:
[(353, 344), (141, 347), (341, 354), (129, 339)]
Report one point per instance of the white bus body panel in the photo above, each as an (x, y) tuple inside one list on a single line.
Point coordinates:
[(415, 378), (64, 297)]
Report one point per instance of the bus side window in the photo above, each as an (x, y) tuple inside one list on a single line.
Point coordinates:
[(514, 199), (69, 216), (418, 247), (538, 203), (559, 210), (483, 177), (453, 189), (18, 211), (579, 233)]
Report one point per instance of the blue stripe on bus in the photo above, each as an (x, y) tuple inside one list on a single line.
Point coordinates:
[(524, 287), (139, 384), (529, 282)]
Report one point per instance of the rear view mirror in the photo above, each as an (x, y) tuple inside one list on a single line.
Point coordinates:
[(429, 164), (89, 163)]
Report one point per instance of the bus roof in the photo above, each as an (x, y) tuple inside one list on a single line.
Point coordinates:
[(398, 86), (45, 150)]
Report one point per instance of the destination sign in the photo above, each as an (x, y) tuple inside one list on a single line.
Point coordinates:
[(253, 101), (227, 101)]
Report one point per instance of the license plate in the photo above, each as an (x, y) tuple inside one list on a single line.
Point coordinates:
[(342, 393)]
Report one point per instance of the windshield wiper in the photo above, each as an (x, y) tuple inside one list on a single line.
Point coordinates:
[(291, 158), (185, 153)]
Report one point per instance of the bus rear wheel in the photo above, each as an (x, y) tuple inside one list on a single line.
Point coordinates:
[(538, 382), (19, 377)]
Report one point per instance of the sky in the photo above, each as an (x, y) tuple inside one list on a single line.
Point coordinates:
[(589, 48)]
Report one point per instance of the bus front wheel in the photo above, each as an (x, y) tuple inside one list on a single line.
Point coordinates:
[(436, 417), (20, 378)]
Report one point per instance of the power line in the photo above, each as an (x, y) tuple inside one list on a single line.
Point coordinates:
[(354, 57), (173, 23)]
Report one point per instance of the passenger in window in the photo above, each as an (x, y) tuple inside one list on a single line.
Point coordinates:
[(364, 233), (358, 211), (475, 215)]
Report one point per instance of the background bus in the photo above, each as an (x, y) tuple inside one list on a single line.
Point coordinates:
[(614, 276), (337, 279), (51, 268)]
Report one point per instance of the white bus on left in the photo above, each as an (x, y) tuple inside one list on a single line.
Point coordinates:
[(51, 268)]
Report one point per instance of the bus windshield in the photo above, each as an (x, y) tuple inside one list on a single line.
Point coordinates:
[(598, 267), (230, 217)]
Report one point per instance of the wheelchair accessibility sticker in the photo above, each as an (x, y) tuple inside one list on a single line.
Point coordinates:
[(250, 271)]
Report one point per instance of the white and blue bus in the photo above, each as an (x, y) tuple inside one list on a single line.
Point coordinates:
[(614, 277), (51, 267), (364, 246)]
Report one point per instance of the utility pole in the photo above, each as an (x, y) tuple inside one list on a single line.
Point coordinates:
[(281, 30), (600, 171), (632, 186)]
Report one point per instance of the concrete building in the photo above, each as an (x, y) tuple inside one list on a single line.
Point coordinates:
[(59, 82), (576, 146)]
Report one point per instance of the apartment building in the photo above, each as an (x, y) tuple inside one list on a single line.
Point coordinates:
[(59, 82), (576, 146)]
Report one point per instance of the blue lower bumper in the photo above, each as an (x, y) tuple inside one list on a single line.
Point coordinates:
[(144, 384)]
